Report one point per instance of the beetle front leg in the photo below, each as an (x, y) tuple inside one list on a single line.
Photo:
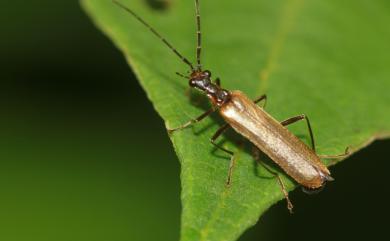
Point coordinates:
[(191, 122)]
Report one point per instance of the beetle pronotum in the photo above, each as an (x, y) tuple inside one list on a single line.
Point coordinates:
[(251, 121)]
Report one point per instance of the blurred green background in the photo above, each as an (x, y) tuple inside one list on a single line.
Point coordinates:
[(83, 155)]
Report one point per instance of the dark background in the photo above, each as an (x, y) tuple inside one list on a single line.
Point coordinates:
[(83, 155)]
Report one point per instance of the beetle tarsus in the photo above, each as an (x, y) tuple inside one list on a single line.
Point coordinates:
[(345, 154)]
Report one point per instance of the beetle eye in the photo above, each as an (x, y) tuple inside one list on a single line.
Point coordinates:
[(207, 73)]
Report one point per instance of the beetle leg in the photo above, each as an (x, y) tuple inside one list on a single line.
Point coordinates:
[(258, 99), (298, 118), (346, 153), (193, 121), (218, 133), (218, 82), (280, 181)]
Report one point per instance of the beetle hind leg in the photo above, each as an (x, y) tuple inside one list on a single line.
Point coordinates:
[(346, 153), (261, 98), (256, 155), (299, 118), (311, 191)]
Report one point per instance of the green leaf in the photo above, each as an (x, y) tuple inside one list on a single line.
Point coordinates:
[(326, 59)]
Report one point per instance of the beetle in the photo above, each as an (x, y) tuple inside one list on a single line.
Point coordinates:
[(242, 114)]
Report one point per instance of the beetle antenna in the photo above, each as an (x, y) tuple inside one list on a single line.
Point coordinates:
[(182, 75), (184, 59), (199, 37)]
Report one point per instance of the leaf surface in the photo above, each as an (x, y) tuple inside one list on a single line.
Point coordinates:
[(326, 59)]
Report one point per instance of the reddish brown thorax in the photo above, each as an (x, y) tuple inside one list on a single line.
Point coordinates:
[(201, 80), (199, 74)]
